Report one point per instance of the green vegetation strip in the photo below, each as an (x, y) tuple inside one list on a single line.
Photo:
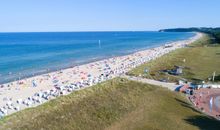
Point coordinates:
[(115, 104), (201, 59)]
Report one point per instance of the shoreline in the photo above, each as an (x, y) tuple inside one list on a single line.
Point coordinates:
[(19, 76), (76, 78)]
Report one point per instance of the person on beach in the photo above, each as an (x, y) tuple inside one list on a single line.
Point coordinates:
[(34, 84)]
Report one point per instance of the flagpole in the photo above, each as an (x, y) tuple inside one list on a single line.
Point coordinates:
[(213, 78)]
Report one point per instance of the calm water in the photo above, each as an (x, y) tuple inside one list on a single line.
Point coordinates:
[(27, 54)]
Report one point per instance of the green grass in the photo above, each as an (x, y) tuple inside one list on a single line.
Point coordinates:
[(115, 104), (202, 59), (123, 104)]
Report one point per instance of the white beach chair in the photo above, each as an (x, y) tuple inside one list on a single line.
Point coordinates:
[(17, 108), (19, 101)]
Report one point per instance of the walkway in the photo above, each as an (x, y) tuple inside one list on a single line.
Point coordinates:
[(170, 86)]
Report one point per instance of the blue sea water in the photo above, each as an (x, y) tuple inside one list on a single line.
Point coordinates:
[(27, 54)]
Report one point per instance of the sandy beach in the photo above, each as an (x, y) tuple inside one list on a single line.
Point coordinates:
[(33, 91)]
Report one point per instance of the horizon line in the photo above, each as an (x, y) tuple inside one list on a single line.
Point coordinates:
[(80, 31), (153, 30)]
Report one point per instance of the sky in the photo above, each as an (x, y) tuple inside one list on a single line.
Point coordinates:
[(106, 15)]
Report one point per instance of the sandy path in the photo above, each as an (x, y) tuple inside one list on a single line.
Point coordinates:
[(170, 86)]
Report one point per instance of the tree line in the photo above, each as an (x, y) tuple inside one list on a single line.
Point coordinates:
[(213, 32)]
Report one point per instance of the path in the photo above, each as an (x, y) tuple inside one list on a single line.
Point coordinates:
[(170, 86)]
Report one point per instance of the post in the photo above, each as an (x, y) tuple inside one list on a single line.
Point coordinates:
[(213, 78)]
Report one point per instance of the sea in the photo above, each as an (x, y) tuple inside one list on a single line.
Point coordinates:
[(27, 54)]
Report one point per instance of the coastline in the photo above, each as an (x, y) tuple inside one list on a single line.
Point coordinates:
[(79, 74), (10, 75)]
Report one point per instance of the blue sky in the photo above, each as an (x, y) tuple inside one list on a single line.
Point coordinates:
[(106, 15)]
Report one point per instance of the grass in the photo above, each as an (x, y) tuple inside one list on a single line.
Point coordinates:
[(123, 104), (112, 105), (202, 59)]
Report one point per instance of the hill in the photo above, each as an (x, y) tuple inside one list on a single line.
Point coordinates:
[(112, 105)]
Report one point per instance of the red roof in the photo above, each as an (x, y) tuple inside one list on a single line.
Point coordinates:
[(184, 88)]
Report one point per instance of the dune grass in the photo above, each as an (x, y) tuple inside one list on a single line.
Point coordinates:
[(112, 105), (202, 59), (123, 104)]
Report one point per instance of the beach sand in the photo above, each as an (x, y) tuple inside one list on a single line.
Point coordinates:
[(79, 76)]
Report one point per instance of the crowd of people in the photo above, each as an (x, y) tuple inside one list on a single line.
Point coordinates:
[(30, 92)]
